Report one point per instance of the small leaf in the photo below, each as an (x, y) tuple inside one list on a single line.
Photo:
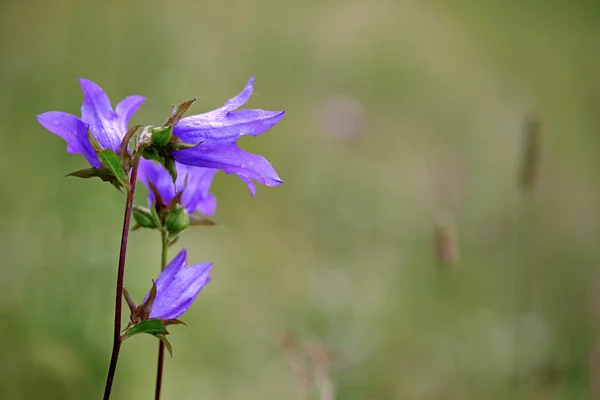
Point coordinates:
[(153, 327), (144, 310), (175, 200), (93, 141), (158, 200), (125, 142), (130, 302), (178, 113), (198, 220), (111, 160), (163, 339), (102, 173)]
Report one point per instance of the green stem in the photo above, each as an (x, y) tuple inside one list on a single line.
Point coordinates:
[(161, 346)]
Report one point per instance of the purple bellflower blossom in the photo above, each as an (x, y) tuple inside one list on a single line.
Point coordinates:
[(218, 130), (108, 126), (194, 182), (178, 286)]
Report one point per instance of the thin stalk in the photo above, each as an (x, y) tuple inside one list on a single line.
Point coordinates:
[(114, 358), (161, 345)]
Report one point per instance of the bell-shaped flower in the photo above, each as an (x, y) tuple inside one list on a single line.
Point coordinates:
[(193, 185), (173, 292), (106, 125), (218, 132)]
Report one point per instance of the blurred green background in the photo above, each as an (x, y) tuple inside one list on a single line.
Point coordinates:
[(400, 115)]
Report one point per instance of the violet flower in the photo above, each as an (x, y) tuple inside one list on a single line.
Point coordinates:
[(108, 126), (218, 130), (194, 182), (178, 286)]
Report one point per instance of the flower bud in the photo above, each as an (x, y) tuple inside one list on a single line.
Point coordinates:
[(144, 217), (177, 220), (161, 135)]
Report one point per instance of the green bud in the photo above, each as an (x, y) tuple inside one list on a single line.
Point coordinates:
[(145, 218), (161, 135), (177, 220)]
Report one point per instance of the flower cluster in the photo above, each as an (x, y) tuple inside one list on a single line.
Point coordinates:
[(177, 162)]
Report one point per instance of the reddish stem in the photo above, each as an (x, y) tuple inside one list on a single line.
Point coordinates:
[(120, 275)]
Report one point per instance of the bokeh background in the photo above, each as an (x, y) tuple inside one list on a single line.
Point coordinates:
[(403, 257)]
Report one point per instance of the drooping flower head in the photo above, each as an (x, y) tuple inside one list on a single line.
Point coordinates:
[(177, 287), (193, 182), (219, 130), (108, 126)]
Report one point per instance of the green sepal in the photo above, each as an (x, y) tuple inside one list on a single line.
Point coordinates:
[(163, 339), (173, 321), (154, 327), (177, 220), (178, 112), (169, 164), (145, 217), (126, 139), (161, 135), (109, 159), (94, 142), (102, 173), (151, 153), (198, 220), (177, 144)]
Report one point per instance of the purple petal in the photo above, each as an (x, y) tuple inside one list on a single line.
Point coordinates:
[(126, 108), (72, 130), (226, 128), (249, 183), (240, 99), (167, 276), (193, 181), (231, 159), (150, 171), (172, 301), (97, 112)]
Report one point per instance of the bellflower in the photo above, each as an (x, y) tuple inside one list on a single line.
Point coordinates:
[(108, 126), (194, 182), (178, 286), (218, 130)]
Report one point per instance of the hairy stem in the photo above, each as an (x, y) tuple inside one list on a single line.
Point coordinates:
[(114, 358), (161, 345)]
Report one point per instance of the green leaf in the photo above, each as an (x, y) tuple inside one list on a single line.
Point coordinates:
[(109, 159), (178, 112), (198, 220), (102, 173), (163, 339), (153, 327)]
